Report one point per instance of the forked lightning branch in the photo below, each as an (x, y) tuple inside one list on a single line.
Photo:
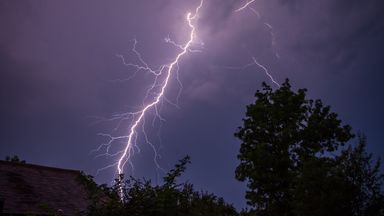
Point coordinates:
[(154, 96)]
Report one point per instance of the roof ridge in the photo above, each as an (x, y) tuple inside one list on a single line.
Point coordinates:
[(36, 166)]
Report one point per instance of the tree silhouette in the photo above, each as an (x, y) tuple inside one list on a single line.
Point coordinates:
[(288, 157), (363, 177), (140, 197), (14, 159)]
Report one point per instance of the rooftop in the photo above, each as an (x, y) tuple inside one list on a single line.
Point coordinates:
[(28, 188)]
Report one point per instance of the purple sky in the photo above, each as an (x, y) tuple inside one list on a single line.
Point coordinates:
[(58, 62)]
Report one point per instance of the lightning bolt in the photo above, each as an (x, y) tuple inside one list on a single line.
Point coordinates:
[(156, 94), (253, 63), (245, 5), (265, 71), (273, 41)]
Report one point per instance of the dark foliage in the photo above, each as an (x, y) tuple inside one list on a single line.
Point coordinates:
[(290, 158), (140, 197), (363, 178), (14, 159)]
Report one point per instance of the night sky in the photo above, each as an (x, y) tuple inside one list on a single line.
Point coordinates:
[(59, 69)]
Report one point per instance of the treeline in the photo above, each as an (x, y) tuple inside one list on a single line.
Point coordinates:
[(140, 197), (296, 156)]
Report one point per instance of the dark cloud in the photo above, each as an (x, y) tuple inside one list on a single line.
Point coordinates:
[(334, 29)]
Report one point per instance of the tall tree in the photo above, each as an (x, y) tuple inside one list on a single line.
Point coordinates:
[(286, 139)]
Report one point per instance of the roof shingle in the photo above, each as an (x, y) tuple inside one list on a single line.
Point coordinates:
[(28, 188)]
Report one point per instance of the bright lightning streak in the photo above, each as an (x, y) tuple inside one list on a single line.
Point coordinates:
[(156, 94), (168, 69), (255, 62), (245, 5), (266, 71)]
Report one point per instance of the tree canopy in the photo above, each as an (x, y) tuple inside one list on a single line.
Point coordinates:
[(293, 163)]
